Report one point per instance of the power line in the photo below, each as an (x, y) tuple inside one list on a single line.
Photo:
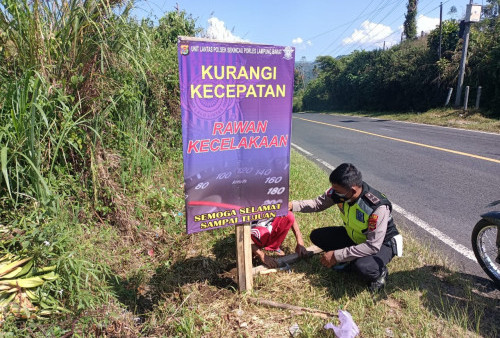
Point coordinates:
[(378, 41), (370, 18), (343, 49), (359, 44), (375, 11), (347, 23), (350, 24)]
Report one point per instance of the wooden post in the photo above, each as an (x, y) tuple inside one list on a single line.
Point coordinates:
[(244, 257)]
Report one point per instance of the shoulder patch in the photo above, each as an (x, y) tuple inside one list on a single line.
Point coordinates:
[(372, 222), (329, 192), (372, 198)]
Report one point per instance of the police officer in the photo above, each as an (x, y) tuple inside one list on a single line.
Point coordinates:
[(365, 239)]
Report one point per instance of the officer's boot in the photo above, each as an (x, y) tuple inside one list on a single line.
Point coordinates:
[(379, 283)]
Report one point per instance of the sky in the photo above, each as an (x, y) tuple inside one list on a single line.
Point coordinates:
[(313, 27)]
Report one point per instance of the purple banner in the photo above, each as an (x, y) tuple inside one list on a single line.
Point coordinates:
[(236, 105)]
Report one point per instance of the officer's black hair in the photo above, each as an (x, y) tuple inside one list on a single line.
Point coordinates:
[(347, 176)]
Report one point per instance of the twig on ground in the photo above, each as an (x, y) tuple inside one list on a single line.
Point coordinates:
[(299, 309)]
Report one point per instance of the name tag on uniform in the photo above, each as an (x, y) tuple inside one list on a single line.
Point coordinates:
[(360, 216)]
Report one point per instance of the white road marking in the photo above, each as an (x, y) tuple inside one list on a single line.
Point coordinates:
[(436, 233), (464, 251), (301, 149), (404, 141), (418, 123)]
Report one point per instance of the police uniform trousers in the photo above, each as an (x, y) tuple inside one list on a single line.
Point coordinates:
[(334, 238)]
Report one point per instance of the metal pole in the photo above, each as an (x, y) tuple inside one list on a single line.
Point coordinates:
[(450, 90), (461, 71), (440, 29), (466, 97), (478, 97)]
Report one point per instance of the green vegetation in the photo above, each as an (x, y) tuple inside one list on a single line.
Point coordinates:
[(91, 190), (88, 106), (410, 76), (410, 24)]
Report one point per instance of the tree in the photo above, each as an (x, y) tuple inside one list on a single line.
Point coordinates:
[(174, 24), (492, 9), (410, 24), (327, 64), (449, 39), (298, 79)]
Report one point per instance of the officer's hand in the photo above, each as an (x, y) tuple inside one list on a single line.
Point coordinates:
[(270, 262), (290, 206), (328, 259), (301, 250)]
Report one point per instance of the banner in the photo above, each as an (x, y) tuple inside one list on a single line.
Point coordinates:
[(236, 106)]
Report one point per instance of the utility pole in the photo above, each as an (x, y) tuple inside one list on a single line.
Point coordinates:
[(440, 29), (461, 71), (473, 14)]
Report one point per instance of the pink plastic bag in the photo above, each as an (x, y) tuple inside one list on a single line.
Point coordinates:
[(347, 328)]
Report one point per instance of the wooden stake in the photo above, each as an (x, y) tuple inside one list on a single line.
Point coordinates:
[(288, 259), (244, 257)]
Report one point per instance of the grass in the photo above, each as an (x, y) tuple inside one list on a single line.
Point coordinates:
[(165, 283), (447, 117), (91, 181)]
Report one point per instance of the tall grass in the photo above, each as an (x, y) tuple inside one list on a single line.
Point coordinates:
[(65, 40), (56, 57), (36, 131), (81, 82), (79, 79)]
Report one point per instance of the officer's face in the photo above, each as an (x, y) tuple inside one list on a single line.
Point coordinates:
[(343, 192)]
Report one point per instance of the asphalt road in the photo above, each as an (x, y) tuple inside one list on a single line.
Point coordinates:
[(442, 178)]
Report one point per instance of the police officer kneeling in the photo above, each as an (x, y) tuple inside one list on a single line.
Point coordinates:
[(367, 237)]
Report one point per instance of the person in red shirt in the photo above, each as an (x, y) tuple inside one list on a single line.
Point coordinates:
[(268, 235)]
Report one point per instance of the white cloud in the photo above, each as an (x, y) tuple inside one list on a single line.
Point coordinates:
[(370, 34), (301, 44), (426, 24), (217, 30)]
